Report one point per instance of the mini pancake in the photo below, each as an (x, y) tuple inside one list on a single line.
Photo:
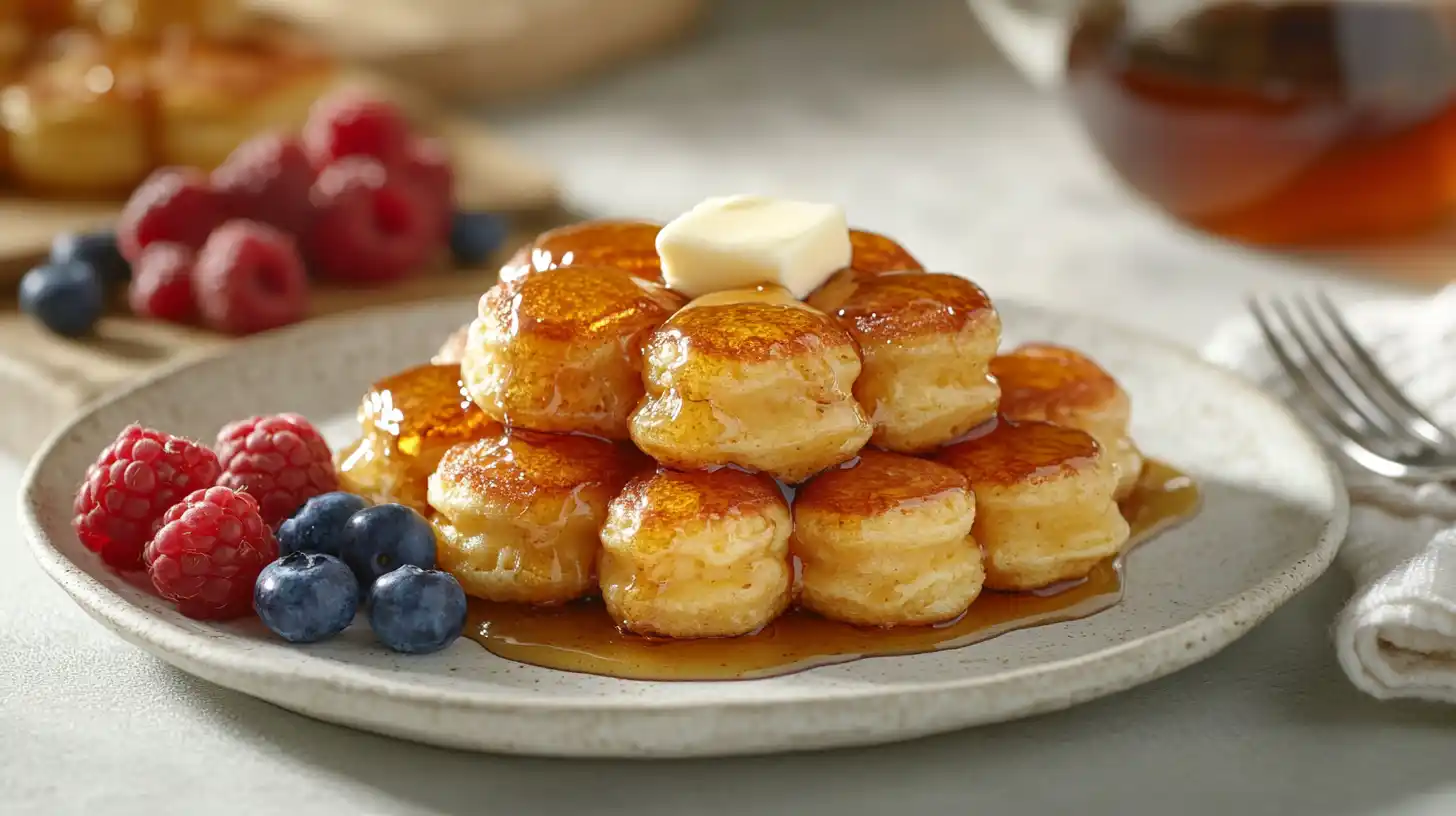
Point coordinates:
[(149, 19), (701, 554), (885, 540), (1064, 387), (751, 378), (874, 254), (561, 350), (408, 421), (927, 341), (92, 113), (1044, 506), (627, 245), (517, 516), (76, 118), (211, 94)]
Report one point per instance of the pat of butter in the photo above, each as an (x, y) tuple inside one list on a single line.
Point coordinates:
[(741, 241)]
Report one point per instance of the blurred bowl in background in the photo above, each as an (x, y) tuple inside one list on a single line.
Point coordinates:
[(486, 51)]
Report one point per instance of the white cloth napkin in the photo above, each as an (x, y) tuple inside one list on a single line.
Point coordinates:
[(1397, 636)]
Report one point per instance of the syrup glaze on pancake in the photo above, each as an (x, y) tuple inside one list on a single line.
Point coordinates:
[(750, 381), (424, 406), (627, 245), (561, 350), (887, 542), (1048, 380), (699, 554), (876, 482), (520, 465), (873, 253), (518, 517), (1012, 453), (1045, 508), (750, 332), (670, 498), (581, 303), (896, 305), (409, 420), (581, 637), (1063, 386)]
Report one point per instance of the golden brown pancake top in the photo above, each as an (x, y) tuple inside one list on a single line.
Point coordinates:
[(1037, 378), (581, 303), (521, 465), (877, 482), (627, 245), (670, 498), (752, 332), (874, 253), (893, 305), (424, 405), (1009, 453)]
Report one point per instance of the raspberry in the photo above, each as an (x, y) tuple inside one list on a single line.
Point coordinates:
[(174, 204), (352, 124), (136, 479), (208, 552), (249, 278), (427, 167), (267, 179), (161, 285), (281, 460), (370, 227)]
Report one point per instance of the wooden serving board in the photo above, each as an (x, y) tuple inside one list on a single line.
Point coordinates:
[(45, 378)]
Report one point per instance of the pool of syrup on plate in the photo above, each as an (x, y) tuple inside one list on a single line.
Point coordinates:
[(581, 637)]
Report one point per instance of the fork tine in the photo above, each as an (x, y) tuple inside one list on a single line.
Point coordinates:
[(1317, 393), (1392, 398), (1335, 369), (1346, 399)]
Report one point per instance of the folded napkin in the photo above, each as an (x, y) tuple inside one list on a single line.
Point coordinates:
[(1397, 636)]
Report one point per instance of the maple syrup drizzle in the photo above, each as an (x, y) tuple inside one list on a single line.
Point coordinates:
[(580, 637)]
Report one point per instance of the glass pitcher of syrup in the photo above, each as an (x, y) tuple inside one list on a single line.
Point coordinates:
[(1274, 122)]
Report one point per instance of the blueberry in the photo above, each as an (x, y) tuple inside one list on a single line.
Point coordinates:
[(306, 597), (318, 526), (417, 611), (66, 298), (475, 236), (385, 537), (97, 249)]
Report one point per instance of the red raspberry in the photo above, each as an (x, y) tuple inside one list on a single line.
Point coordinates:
[(174, 204), (281, 460), (208, 552), (267, 179), (136, 479), (249, 278), (427, 167), (161, 284), (352, 124), (370, 228)]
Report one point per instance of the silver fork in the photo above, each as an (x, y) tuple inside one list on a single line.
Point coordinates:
[(1372, 421)]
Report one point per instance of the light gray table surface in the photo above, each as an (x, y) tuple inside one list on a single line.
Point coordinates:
[(900, 111)]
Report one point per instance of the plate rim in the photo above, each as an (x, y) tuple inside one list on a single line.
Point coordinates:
[(171, 642)]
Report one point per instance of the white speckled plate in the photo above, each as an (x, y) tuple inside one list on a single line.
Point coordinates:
[(1274, 513)]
